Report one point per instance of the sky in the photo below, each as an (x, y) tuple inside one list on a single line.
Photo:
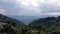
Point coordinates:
[(30, 7)]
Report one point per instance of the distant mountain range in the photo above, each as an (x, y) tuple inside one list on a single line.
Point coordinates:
[(26, 19)]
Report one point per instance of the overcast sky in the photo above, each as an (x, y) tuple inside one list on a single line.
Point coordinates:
[(30, 7)]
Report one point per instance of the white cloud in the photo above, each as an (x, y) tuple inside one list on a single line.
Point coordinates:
[(2, 11), (29, 2), (36, 2), (53, 13), (33, 7)]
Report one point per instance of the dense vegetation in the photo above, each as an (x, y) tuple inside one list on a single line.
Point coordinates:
[(49, 25)]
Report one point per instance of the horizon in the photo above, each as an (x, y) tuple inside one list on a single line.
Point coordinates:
[(29, 16)]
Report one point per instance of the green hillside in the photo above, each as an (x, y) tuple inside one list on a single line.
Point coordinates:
[(49, 25)]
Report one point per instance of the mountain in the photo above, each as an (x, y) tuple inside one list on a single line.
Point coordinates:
[(26, 19), (47, 22), (4, 18)]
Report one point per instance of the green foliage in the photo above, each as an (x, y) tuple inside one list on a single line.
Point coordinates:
[(49, 25), (55, 32)]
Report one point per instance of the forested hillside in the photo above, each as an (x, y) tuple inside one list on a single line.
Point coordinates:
[(48, 25)]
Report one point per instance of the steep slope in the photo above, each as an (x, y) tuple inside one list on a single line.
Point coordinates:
[(4, 18)]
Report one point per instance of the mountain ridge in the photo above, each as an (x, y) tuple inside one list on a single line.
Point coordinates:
[(10, 19)]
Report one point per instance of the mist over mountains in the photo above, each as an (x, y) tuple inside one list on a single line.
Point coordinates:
[(22, 24), (26, 19)]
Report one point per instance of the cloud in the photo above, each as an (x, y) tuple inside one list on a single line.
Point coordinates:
[(11, 6), (2, 10), (50, 9), (31, 7), (53, 13), (45, 7)]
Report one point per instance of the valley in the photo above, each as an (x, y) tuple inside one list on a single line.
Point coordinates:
[(48, 25)]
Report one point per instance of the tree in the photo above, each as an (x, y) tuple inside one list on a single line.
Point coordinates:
[(39, 28), (55, 32)]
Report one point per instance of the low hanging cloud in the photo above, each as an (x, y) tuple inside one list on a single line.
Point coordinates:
[(2, 10), (31, 7)]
